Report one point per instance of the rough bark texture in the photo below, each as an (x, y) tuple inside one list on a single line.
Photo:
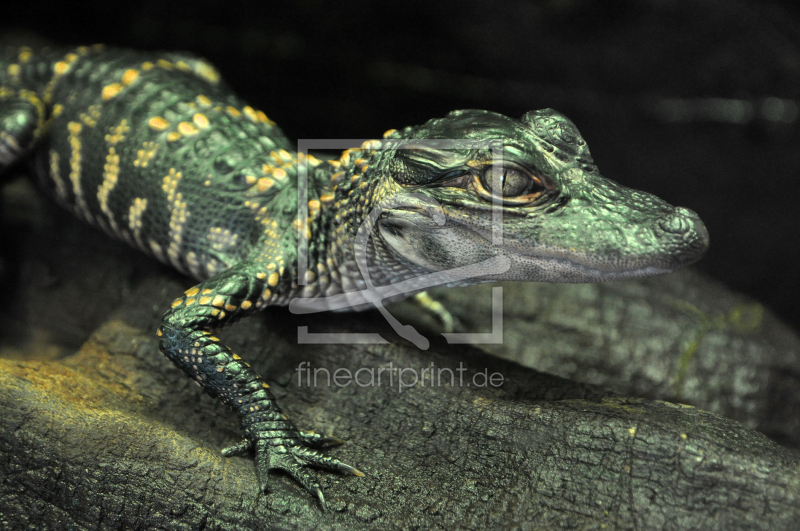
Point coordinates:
[(99, 431)]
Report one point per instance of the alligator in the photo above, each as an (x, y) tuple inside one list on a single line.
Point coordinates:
[(154, 149)]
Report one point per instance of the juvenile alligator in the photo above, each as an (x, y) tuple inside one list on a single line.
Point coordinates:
[(154, 149)]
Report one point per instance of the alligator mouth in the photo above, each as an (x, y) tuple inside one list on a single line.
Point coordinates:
[(570, 271), (684, 243), (614, 266)]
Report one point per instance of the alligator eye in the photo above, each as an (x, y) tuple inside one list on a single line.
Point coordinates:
[(513, 186)]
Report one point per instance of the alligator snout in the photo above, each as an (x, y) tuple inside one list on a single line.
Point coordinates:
[(689, 235)]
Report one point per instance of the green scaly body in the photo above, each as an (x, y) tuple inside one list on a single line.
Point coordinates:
[(154, 149)]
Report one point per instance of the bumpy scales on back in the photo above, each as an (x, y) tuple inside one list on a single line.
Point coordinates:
[(154, 149)]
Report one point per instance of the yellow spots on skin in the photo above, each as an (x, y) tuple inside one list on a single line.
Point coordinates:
[(215, 312), (158, 123), (261, 117), (135, 222), (233, 111), (25, 55), (110, 177), (187, 129), (144, 155), (111, 91), (61, 68), (271, 266), (218, 301), (177, 221), (222, 315), (158, 333), (55, 174), (129, 76), (57, 110), (264, 184), (75, 158), (176, 302), (389, 133), (221, 239), (147, 65), (206, 291), (205, 300), (190, 301), (261, 275), (163, 63), (632, 431), (250, 179), (155, 248), (173, 136), (371, 144), (203, 101), (273, 279), (207, 182), (117, 133), (326, 199), (282, 157), (90, 117), (14, 70), (313, 205), (170, 184), (279, 174), (207, 72), (192, 292), (250, 113), (267, 294), (236, 356), (230, 307), (200, 120), (181, 65), (178, 214)]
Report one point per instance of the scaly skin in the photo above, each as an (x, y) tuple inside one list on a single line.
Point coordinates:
[(155, 150)]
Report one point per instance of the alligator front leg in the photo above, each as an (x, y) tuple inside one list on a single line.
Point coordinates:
[(186, 341)]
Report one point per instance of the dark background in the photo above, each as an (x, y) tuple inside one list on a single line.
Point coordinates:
[(693, 100)]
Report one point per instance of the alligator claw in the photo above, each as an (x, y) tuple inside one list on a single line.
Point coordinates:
[(293, 458)]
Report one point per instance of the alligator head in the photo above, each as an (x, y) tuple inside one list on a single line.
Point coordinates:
[(476, 184)]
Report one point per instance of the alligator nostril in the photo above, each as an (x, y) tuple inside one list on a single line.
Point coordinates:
[(678, 222)]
